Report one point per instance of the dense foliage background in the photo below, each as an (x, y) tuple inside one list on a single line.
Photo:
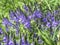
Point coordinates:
[(6, 5), (33, 7)]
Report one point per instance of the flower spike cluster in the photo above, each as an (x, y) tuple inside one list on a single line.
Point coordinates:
[(18, 18)]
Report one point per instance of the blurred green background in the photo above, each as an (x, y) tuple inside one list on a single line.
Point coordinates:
[(6, 5)]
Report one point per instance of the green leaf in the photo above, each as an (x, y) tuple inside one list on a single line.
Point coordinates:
[(47, 40)]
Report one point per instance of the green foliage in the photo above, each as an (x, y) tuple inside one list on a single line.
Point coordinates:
[(6, 5)]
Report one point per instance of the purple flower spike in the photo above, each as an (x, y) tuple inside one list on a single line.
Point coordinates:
[(27, 24), (30, 17), (25, 7), (49, 13), (27, 43), (4, 39), (13, 16), (23, 41), (22, 18), (1, 32), (56, 12), (54, 23), (11, 42), (37, 14), (44, 19), (48, 24), (6, 22), (52, 18)]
